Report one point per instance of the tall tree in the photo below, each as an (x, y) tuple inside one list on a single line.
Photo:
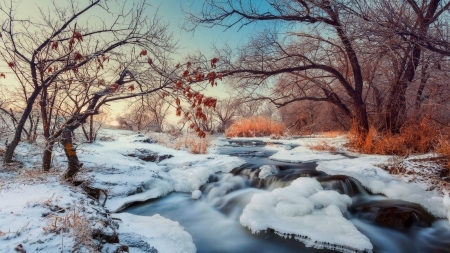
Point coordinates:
[(405, 28), (324, 57)]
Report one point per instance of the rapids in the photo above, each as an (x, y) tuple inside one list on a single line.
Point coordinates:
[(392, 226)]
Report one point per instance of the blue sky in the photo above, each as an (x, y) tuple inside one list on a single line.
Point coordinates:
[(203, 38)]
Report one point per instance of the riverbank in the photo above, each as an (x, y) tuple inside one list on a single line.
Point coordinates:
[(43, 214)]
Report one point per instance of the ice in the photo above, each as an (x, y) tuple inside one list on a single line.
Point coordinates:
[(142, 233), (196, 194), (308, 212), (267, 170)]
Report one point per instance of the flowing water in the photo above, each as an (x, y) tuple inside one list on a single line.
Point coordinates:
[(392, 226)]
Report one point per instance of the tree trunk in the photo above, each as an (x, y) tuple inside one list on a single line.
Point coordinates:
[(74, 164), (360, 117), (20, 127), (91, 129), (47, 156), (396, 108)]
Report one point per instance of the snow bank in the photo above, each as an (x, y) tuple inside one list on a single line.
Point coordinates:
[(143, 233), (378, 180), (311, 214), (29, 212), (303, 154)]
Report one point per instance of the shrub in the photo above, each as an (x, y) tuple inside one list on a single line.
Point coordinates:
[(255, 127), (323, 146), (179, 141), (444, 148), (413, 138)]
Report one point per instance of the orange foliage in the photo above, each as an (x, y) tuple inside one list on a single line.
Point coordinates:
[(77, 56), (55, 45), (214, 62), (255, 127), (143, 52), (323, 146), (413, 138), (444, 148)]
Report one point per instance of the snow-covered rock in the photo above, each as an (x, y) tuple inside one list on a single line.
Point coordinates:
[(267, 170), (309, 213)]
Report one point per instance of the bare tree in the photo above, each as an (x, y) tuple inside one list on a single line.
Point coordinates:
[(325, 58), (148, 113), (226, 111), (403, 29), (60, 45)]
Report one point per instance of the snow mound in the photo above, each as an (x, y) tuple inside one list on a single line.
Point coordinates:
[(303, 154), (196, 194), (309, 213), (143, 233), (267, 170)]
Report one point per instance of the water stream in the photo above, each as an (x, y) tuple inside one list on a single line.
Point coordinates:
[(392, 226)]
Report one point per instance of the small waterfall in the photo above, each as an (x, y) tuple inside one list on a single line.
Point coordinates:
[(343, 184)]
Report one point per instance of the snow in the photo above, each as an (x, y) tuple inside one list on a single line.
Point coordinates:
[(304, 154), (106, 166), (305, 210), (267, 170), (29, 210), (364, 168), (446, 202), (377, 180), (196, 194), (142, 233), (129, 179)]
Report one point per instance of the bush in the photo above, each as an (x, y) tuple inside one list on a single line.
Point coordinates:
[(413, 138), (189, 142), (255, 127)]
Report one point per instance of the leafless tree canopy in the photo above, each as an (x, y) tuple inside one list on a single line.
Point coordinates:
[(374, 61)]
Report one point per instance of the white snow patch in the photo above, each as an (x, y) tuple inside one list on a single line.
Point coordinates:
[(141, 233), (196, 194), (28, 209), (267, 170), (311, 214), (303, 154)]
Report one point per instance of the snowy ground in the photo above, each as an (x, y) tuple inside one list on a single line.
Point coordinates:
[(43, 214)]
